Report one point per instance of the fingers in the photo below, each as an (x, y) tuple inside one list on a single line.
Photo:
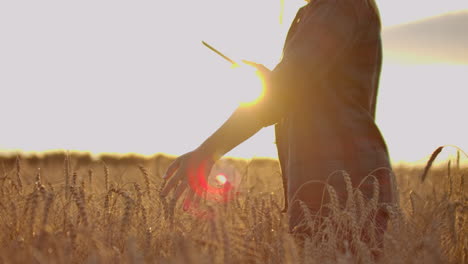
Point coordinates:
[(251, 63), (179, 191), (197, 199), (260, 67), (172, 168), (188, 200), (177, 176), (171, 184)]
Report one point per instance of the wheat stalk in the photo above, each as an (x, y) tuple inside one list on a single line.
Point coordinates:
[(67, 170), (350, 203), (106, 176), (19, 182), (80, 203), (146, 178), (32, 215), (430, 161), (45, 217)]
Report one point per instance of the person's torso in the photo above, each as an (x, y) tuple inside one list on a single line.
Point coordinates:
[(334, 121)]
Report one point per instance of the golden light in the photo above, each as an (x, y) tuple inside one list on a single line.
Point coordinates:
[(221, 179), (248, 84)]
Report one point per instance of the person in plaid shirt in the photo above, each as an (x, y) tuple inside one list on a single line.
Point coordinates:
[(322, 99)]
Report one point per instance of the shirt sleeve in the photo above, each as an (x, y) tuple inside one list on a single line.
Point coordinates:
[(326, 31)]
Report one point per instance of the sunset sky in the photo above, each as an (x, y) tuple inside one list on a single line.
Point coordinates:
[(133, 76)]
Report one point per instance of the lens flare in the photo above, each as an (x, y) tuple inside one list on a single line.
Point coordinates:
[(221, 190), (199, 183), (221, 179)]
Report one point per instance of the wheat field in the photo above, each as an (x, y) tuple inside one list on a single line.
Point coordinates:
[(70, 207)]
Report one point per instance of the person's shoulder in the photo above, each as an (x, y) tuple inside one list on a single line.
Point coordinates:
[(354, 13), (362, 12), (350, 5), (315, 3), (333, 7)]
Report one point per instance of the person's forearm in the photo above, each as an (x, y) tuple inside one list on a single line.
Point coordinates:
[(240, 126)]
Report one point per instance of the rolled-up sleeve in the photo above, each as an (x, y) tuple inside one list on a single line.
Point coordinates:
[(323, 35)]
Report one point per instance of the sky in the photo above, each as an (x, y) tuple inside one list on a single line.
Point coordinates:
[(133, 76)]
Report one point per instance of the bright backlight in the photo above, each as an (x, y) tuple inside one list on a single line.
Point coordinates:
[(248, 85)]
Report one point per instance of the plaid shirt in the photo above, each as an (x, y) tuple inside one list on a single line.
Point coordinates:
[(322, 98)]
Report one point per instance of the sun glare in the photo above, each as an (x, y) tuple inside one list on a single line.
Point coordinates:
[(248, 85)]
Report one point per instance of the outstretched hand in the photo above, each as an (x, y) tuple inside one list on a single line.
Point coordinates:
[(188, 172)]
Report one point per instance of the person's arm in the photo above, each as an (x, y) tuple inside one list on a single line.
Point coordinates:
[(240, 126), (192, 169)]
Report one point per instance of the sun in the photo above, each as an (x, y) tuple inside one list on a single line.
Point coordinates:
[(249, 85)]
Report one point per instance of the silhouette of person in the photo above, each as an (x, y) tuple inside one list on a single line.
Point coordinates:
[(321, 97)]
